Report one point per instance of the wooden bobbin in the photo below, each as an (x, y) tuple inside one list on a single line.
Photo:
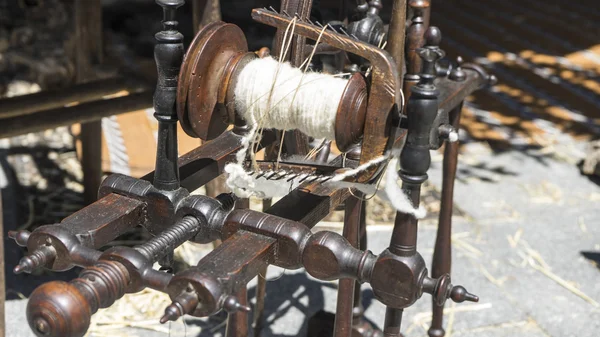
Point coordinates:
[(205, 76), (205, 96)]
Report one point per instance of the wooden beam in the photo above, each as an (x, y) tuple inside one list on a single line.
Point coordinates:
[(88, 52)]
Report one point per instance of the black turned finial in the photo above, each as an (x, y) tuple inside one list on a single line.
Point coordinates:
[(169, 10), (168, 55), (375, 6), (433, 37), (430, 54), (362, 8), (457, 73), (422, 109)]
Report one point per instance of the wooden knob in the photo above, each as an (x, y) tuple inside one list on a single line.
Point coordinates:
[(58, 309), (329, 256)]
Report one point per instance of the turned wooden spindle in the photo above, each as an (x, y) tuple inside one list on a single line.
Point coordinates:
[(442, 253)]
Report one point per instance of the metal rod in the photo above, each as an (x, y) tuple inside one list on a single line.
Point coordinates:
[(52, 99), (442, 253), (87, 112)]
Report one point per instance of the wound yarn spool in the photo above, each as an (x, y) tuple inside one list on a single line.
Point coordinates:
[(279, 96), (270, 94)]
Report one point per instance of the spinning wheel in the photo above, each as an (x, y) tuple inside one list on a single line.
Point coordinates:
[(200, 92)]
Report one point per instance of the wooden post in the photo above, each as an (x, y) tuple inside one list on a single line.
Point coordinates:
[(205, 12), (88, 52), (237, 322)]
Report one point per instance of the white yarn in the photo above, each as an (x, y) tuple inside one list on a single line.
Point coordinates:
[(307, 102), (392, 192), (396, 196), (453, 137), (277, 95), (270, 94), (358, 169), (244, 185)]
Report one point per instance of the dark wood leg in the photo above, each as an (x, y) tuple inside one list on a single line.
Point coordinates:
[(442, 254), (360, 327), (261, 290), (91, 159), (88, 29), (393, 321), (237, 322), (345, 298)]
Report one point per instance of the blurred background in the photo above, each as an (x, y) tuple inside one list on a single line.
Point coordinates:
[(526, 234)]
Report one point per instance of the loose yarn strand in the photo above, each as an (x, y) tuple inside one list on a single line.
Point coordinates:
[(396, 196), (236, 171), (315, 150), (264, 277), (307, 62), (282, 55), (392, 192), (377, 185)]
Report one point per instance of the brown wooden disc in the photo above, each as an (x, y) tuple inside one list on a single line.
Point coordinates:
[(351, 113), (201, 77)]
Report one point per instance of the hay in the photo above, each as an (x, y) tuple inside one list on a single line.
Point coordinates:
[(450, 325), (140, 310), (423, 319), (490, 277), (535, 261), (507, 325), (514, 240), (582, 225), (544, 193), (143, 310)]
